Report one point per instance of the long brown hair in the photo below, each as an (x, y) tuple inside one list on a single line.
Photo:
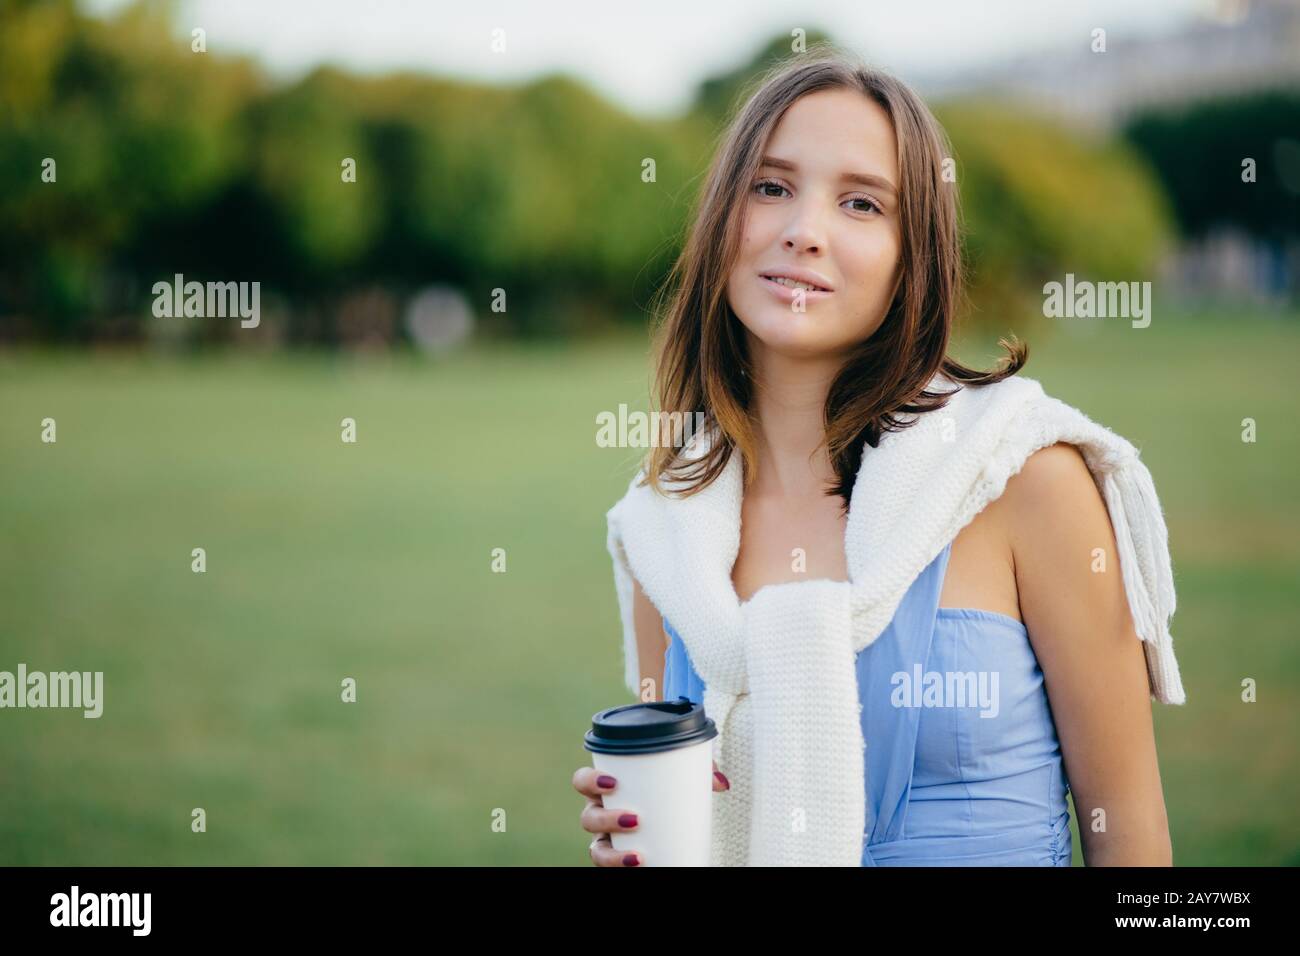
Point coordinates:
[(701, 354)]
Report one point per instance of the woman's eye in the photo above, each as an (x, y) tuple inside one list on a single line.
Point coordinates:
[(871, 204), (762, 186)]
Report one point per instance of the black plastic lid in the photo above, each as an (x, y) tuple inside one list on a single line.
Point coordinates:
[(649, 728)]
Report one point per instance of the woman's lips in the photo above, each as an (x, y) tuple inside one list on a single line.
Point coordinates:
[(787, 294)]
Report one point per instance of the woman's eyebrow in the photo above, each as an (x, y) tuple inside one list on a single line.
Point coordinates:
[(863, 179)]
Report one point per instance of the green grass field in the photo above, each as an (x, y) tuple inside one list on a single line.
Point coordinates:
[(327, 560)]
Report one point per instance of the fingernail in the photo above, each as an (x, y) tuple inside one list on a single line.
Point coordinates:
[(605, 781), (631, 860), (725, 782), (627, 820)]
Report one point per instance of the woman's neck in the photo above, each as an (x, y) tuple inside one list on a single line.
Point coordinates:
[(789, 404)]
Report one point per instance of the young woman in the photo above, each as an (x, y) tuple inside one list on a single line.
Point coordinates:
[(813, 302)]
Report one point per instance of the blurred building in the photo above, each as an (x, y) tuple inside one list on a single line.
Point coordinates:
[(1245, 46)]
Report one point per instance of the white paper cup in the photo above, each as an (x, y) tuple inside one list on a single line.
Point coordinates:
[(660, 754)]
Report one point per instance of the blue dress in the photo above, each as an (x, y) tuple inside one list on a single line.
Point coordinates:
[(963, 766)]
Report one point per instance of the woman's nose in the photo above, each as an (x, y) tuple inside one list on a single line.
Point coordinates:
[(803, 233)]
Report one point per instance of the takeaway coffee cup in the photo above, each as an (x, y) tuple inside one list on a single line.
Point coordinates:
[(660, 754)]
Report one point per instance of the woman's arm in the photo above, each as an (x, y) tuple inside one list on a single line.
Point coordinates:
[(1093, 663), (651, 643)]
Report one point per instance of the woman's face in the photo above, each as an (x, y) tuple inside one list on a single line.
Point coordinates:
[(809, 214)]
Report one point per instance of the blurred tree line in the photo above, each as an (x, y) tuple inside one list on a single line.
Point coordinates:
[(171, 161), (1200, 152)]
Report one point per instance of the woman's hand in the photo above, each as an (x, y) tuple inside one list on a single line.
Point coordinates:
[(602, 821)]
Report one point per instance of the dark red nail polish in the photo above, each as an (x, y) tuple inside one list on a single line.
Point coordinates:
[(631, 860), (725, 782), (627, 820), (605, 781)]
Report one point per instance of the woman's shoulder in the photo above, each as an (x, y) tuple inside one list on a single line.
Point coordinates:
[(1055, 474), (1058, 455), (1053, 495)]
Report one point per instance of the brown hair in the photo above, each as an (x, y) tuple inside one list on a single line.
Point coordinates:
[(701, 354)]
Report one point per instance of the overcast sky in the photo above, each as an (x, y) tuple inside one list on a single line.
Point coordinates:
[(650, 55)]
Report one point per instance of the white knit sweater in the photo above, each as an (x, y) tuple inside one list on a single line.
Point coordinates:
[(779, 669)]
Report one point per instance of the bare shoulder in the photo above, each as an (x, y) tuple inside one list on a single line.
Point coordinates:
[(1052, 489), (1063, 545), (1055, 478), (1041, 520), (1053, 496)]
